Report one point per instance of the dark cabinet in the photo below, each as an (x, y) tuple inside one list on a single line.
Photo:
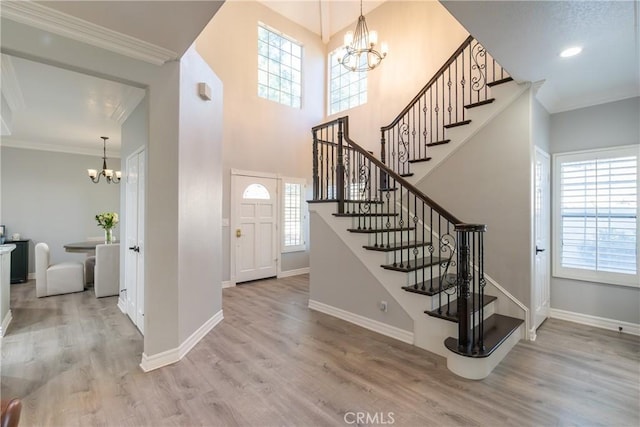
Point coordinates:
[(19, 261)]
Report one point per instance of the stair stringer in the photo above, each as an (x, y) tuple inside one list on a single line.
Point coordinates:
[(429, 332), (505, 94)]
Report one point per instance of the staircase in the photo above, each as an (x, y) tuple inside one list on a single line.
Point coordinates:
[(430, 262)]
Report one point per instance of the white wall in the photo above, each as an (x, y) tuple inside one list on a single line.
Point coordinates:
[(607, 125), (421, 36), (48, 197), (261, 135)]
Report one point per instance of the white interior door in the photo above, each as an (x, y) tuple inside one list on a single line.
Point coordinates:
[(134, 256), (255, 221), (541, 291)]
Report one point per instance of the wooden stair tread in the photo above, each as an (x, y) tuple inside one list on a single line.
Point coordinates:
[(479, 103), (431, 286), (452, 316), (414, 265), (373, 202), (396, 246), (499, 82), (497, 328), (424, 159), (436, 143), (379, 230), (389, 189), (406, 175), (453, 125), (365, 214)]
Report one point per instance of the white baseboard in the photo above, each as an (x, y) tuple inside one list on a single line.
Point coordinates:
[(228, 284), (122, 305), (5, 323), (365, 322), (31, 276), (598, 322), (200, 333), (296, 272), (149, 363)]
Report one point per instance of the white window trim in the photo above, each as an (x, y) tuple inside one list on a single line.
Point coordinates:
[(580, 274), (303, 215)]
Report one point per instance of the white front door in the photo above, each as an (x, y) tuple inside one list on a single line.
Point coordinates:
[(541, 291), (254, 233), (134, 234)]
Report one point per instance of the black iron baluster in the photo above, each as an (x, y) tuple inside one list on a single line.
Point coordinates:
[(340, 170)]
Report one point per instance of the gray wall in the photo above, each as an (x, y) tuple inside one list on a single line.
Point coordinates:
[(162, 201), (606, 125), (540, 126), (488, 181), (200, 196), (48, 197), (339, 279)]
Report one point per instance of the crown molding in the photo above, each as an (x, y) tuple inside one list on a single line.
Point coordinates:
[(128, 103), (10, 85), (44, 18), (56, 148)]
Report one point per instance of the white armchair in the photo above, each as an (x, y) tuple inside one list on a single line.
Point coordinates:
[(106, 278), (57, 279)]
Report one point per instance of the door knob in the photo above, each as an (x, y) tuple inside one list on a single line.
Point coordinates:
[(538, 250), (238, 233)]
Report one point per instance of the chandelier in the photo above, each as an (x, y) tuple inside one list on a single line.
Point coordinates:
[(107, 173), (359, 45)]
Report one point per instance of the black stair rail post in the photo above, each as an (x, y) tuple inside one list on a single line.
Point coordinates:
[(383, 159), (467, 285), (340, 167), (316, 178)]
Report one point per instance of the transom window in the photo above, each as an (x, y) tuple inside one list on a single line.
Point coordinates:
[(596, 216), (279, 67), (347, 89)]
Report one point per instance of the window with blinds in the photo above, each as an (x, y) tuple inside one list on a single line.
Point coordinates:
[(596, 216), (292, 217)]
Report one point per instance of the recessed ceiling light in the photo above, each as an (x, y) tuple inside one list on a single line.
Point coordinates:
[(572, 51)]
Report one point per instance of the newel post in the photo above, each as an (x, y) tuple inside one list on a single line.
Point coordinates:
[(470, 258)]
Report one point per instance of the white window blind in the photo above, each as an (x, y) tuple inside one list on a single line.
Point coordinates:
[(597, 198), (293, 217)]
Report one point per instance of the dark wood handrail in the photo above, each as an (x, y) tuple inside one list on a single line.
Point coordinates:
[(442, 69), (442, 211)]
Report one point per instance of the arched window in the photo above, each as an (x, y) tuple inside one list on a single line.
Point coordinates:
[(256, 191)]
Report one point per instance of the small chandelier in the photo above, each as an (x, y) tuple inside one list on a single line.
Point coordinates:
[(107, 173), (360, 48)]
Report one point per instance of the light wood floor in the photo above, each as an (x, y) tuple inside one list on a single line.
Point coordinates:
[(73, 359)]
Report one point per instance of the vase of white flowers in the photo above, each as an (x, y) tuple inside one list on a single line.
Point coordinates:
[(107, 221)]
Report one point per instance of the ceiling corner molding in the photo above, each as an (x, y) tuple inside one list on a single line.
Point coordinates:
[(57, 148), (10, 85), (129, 103), (44, 18)]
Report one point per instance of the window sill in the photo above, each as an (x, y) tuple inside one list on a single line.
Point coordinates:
[(606, 278)]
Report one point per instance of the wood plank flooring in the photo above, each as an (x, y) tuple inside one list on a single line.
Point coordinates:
[(73, 359)]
